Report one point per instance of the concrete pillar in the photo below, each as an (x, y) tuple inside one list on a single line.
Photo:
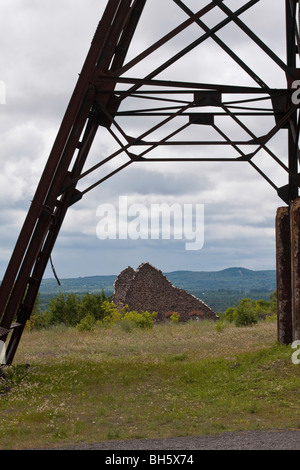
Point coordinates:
[(283, 276), (295, 266)]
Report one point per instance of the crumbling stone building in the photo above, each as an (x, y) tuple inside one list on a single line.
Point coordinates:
[(147, 288)]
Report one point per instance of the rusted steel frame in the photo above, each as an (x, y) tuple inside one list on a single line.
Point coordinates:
[(23, 286), (229, 104), (44, 255), (44, 221), (72, 144), (271, 134), (131, 143), (85, 145), (160, 99), (252, 100), (167, 109), (166, 38), (138, 139), (117, 25), (249, 109), (195, 142), (230, 142), (54, 157), (294, 156), (264, 175), (291, 63), (115, 50), (232, 89), (189, 159), (34, 281), (288, 218), (59, 163), (147, 111), (294, 130), (232, 15), (127, 34), (126, 147), (293, 163), (255, 138), (112, 120), (291, 29), (125, 150), (224, 46), (19, 287), (190, 47), (32, 286), (227, 142), (141, 137), (262, 145), (161, 113), (114, 172), (164, 140)]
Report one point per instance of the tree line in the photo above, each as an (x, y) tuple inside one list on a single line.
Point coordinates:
[(88, 310)]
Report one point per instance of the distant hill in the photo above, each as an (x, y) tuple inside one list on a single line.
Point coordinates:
[(219, 289), (231, 278)]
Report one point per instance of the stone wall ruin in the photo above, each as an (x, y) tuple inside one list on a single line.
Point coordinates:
[(147, 288)]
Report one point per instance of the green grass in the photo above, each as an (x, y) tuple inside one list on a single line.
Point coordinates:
[(173, 380)]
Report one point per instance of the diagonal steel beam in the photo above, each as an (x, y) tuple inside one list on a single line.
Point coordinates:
[(224, 46), (233, 16)]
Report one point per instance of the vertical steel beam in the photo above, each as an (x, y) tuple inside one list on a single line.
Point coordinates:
[(288, 219), (291, 32)]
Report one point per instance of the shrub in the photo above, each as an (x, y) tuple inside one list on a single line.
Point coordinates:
[(175, 317), (92, 303), (71, 309), (87, 323), (111, 314), (246, 313), (138, 320), (65, 309), (220, 325), (230, 314)]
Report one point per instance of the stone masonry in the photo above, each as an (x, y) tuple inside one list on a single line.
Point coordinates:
[(147, 288)]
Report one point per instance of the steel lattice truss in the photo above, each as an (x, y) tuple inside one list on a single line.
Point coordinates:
[(154, 109)]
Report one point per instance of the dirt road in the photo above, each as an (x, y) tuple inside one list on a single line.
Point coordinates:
[(252, 440)]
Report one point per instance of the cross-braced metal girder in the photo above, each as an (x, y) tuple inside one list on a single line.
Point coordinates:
[(154, 106)]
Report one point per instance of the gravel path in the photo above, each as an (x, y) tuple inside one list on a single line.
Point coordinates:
[(248, 440)]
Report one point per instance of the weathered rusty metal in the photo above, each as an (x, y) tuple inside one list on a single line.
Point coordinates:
[(99, 100), (295, 265), (283, 276)]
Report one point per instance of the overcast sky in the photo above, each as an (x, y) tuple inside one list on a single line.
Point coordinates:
[(43, 46)]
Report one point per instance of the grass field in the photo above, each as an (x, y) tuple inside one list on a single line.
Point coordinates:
[(67, 387)]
